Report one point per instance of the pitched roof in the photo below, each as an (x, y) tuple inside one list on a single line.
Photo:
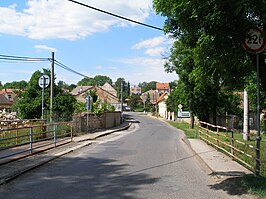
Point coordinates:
[(7, 91), (162, 86), (109, 88), (4, 100), (80, 89), (162, 97)]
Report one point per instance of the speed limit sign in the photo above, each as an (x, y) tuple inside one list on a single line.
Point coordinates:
[(254, 41)]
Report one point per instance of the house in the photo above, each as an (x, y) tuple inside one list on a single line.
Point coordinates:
[(153, 94), (107, 87), (5, 103), (8, 93), (162, 88), (162, 107), (6, 99), (135, 90), (104, 93)]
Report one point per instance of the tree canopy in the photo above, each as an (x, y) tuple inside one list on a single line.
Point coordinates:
[(28, 103), (98, 80), (146, 86), (15, 85), (207, 53), (126, 88)]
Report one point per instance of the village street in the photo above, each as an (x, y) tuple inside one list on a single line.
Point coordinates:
[(148, 161)]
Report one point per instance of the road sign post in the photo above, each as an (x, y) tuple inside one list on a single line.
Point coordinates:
[(255, 43), (43, 83)]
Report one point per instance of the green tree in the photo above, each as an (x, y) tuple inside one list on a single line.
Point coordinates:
[(126, 88), (176, 97), (72, 86), (135, 102), (100, 107), (15, 85), (146, 86), (212, 33), (29, 102), (148, 104), (86, 82), (98, 80)]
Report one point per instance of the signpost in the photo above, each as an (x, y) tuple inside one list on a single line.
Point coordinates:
[(44, 81), (255, 43), (88, 99)]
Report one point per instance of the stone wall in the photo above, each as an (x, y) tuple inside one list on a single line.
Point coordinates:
[(90, 122)]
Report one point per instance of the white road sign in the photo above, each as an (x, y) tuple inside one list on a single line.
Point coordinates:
[(254, 41), (44, 81)]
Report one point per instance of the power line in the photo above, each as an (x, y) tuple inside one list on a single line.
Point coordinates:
[(115, 15), (68, 69), (19, 59), (11, 58)]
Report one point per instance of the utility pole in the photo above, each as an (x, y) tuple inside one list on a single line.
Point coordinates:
[(121, 96), (52, 88), (246, 110)]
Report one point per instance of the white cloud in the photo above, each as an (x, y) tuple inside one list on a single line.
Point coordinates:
[(155, 47), (150, 43), (44, 47), (147, 69), (158, 51), (43, 19), (151, 67)]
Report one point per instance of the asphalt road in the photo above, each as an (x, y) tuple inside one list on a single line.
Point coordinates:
[(147, 161)]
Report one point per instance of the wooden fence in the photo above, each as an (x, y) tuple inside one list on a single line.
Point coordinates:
[(229, 142)]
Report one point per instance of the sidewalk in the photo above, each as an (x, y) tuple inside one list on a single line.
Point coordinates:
[(218, 163), (11, 170)]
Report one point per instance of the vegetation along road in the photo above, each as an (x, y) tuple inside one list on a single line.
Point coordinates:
[(149, 160)]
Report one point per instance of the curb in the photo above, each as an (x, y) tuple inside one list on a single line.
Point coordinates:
[(202, 162), (106, 133), (18, 173)]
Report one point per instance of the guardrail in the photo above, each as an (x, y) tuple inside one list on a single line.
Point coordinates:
[(23, 141), (230, 142)]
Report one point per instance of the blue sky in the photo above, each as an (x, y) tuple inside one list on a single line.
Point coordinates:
[(85, 40)]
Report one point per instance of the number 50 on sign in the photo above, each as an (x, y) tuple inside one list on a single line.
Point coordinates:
[(254, 41)]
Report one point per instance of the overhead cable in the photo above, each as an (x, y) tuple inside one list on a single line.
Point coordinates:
[(115, 15), (68, 69), (22, 59)]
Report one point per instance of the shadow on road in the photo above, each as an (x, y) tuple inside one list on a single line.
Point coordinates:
[(78, 178), (231, 184)]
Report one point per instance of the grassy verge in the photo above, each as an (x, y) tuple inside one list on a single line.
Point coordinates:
[(190, 133), (253, 184)]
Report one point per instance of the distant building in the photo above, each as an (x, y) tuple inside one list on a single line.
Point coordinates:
[(154, 95), (5, 103), (162, 107), (8, 93), (104, 93), (162, 88), (135, 90)]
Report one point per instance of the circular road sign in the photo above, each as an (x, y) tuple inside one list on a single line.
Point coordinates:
[(44, 81), (254, 41)]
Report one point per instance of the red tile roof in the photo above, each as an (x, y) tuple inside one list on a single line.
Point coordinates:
[(162, 86)]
